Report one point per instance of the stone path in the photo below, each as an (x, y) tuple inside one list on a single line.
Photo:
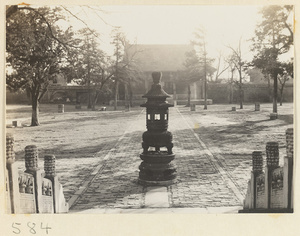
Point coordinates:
[(204, 181)]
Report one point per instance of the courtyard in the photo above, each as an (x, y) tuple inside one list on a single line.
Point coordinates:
[(97, 154)]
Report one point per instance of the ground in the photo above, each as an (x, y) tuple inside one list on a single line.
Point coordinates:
[(97, 152)]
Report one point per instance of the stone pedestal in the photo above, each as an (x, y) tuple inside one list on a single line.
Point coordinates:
[(273, 116), (193, 107), (61, 108), (157, 169), (257, 106)]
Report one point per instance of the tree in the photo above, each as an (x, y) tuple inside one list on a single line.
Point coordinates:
[(118, 42), (200, 45), (130, 73), (284, 76), (240, 66), (124, 67), (34, 52), (192, 71), (87, 64), (232, 69), (219, 70), (273, 37)]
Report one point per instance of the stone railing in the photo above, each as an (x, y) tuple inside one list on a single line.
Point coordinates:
[(32, 190), (271, 190)]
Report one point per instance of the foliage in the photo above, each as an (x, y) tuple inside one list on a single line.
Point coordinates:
[(33, 55), (273, 37)]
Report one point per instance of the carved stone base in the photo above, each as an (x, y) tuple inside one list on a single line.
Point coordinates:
[(157, 169)]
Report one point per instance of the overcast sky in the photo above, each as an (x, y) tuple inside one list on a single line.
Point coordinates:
[(225, 25), (174, 24)]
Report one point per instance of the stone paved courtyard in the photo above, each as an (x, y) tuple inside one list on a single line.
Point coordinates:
[(98, 153)]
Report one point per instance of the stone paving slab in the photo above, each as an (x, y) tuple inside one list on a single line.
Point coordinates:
[(203, 183)]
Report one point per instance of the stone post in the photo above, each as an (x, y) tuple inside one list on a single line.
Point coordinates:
[(273, 116), (12, 176), (257, 106), (49, 166), (257, 167), (289, 165), (59, 204), (31, 158), (272, 152), (290, 142), (31, 165), (193, 107), (10, 154), (61, 108), (257, 162)]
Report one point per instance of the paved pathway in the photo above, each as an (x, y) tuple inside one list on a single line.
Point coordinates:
[(204, 182)]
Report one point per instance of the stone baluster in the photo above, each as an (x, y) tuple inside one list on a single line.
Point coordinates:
[(288, 168), (32, 167), (272, 152), (10, 154), (257, 162), (257, 168), (49, 166), (31, 158), (290, 142), (12, 174)]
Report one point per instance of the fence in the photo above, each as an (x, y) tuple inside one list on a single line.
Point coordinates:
[(34, 190), (271, 190)]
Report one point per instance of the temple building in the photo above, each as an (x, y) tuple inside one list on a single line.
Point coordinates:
[(168, 59)]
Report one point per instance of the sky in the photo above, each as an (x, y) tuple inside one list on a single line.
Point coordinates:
[(225, 25), (174, 24)]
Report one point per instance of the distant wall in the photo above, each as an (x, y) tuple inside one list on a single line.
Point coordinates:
[(220, 93), (16, 98)]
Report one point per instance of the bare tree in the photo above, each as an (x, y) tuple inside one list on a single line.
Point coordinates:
[(220, 71), (200, 44), (239, 64)]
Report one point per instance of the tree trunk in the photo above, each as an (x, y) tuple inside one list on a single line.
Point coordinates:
[(126, 94), (130, 95), (275, 94), (241, 97), (230, 93), (281, 94), (189, 96), (116, 94), (205, 94), (95, 100), (35, 111), (174, 94), (28, 94), (270, 89), (241, 89)]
